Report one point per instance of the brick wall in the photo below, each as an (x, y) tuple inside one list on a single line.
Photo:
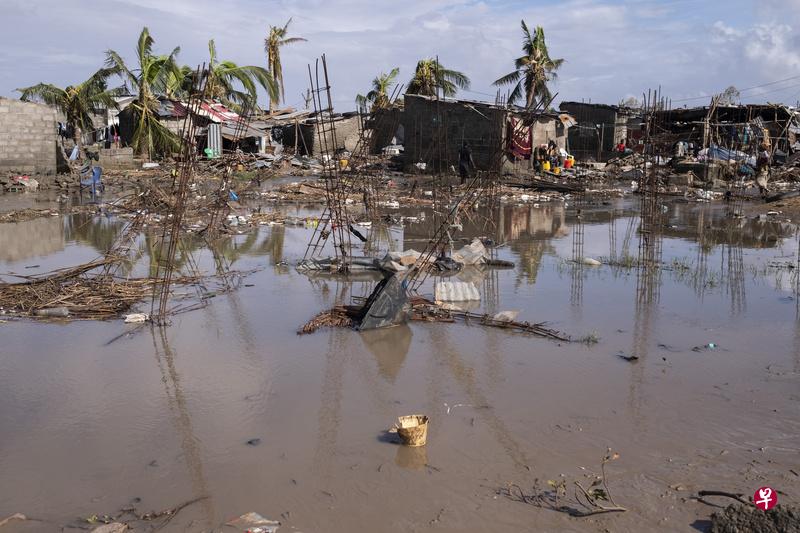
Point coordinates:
[(27, 137)]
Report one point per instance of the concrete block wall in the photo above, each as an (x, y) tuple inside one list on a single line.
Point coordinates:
[(549, 129), (27, 137), (117, 158), (426, 140), (347, 135)]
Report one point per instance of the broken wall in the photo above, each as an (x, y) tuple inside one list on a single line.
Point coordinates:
[(435, 130), (598, 129), (347, 134), (27, 137), (385, 125), (549, 129)]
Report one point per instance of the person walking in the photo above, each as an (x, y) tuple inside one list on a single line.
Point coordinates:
[(465, 161)]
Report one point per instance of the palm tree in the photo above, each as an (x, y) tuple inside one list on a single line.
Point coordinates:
[(152, 78), (234, 86), (430, 76), (533, 70), (378, 96), (272, 46), (77, 102), (181, 82)]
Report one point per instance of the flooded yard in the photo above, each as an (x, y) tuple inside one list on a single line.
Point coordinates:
[(229, 403)]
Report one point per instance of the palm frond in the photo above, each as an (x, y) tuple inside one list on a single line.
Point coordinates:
[(43, 92), (508, 79), (116, 65), (291, 40)]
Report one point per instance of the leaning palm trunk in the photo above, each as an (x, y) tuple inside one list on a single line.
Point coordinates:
[(151, 136)]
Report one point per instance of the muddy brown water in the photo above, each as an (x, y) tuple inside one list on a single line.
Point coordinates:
[(165, 416)]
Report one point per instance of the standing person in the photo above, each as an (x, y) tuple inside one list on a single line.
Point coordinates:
[(464, 162), (762, 169)]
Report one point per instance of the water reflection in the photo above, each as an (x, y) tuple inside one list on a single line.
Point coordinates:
[(176, 399), (34, 238), (411, 457), (98, 231), (390, 348)]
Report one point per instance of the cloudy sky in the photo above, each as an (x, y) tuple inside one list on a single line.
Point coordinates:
[(613, 49)]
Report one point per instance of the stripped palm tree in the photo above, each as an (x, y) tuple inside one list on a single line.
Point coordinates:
[(532, 70), (272, 46), (151, 79), (378, 96), (430, 76), (77, 102)]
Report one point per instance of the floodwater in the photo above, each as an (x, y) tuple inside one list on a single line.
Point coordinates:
[(165, 415)]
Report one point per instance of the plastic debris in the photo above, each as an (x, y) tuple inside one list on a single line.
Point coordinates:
[(61, 312), (591, 262), (137, 318), (473, 254), (254, 523), (506, 316)]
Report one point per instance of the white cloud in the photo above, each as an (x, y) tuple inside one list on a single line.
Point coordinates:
[(612, 48)]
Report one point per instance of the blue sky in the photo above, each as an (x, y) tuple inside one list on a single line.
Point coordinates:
[(613, 49)]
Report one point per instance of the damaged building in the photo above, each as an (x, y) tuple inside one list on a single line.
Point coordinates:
[(599, 128), (218, 127), (303, 131), (737, 127), (434, 130)]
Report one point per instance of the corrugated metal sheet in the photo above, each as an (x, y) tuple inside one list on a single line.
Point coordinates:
[(234, 132), (455, 291), (215, 138)]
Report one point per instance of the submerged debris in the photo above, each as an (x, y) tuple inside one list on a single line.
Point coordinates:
[(739, 518), (424, 310)]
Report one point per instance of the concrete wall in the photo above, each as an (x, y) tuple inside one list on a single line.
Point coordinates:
[(27, 137), (548, 129), (584, 139), (347, 134), (434, 131), (117, 159)]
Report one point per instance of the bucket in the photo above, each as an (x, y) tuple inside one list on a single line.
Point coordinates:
[(568, 162), (413, 429), (557, 170), (343, 163), (546, 165)]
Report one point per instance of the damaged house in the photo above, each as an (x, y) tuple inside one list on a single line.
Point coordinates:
[(735, 127), (302, 129), (600, 128), (435, 129), (219, 128)]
